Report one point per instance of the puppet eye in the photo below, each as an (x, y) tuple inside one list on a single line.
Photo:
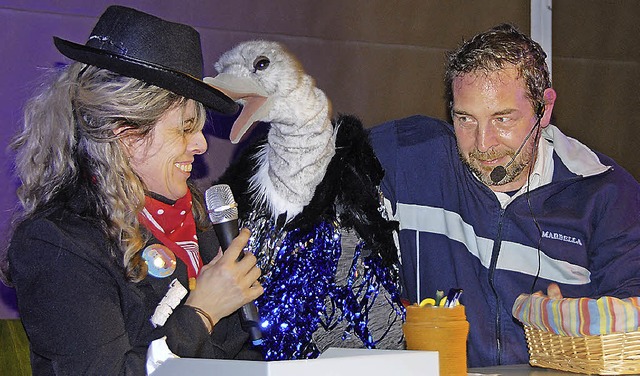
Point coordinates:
[(261, 63)]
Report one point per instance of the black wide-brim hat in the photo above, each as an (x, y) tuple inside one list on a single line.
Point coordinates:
[(162, 53)]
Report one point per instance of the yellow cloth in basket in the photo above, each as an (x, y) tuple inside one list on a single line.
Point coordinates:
[(578, 316)]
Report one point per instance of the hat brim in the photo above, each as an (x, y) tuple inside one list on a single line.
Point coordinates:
[(177, 82)]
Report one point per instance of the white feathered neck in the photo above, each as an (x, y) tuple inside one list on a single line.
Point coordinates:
[(301, 140)]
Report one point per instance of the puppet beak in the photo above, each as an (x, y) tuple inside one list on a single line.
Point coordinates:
[(254, 99)]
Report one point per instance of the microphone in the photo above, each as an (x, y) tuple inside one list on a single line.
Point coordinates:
[(499, 172), (223, 212)]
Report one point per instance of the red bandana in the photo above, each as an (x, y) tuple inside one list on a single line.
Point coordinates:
[(174, 226)]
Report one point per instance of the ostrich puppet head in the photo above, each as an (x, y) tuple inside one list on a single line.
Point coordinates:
[(272, 87)]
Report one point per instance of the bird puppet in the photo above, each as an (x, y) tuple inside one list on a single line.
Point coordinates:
[(309, 193)]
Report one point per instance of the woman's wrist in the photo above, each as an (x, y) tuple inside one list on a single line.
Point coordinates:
[(206, 318)]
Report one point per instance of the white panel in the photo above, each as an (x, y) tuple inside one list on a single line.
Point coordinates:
[(541, 11)]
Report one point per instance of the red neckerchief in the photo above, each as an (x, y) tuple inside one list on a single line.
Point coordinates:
[(174, 226)]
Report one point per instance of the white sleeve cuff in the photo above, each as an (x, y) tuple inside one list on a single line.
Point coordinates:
[(157, 353)]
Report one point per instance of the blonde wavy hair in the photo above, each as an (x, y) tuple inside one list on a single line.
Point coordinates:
[(70, 142)]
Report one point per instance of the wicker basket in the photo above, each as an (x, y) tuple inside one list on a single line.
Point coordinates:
[(608, 354)]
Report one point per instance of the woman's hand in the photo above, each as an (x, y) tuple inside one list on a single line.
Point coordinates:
[(226, 284)]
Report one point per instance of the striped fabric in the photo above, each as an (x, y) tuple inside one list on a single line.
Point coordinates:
[(577, 317)]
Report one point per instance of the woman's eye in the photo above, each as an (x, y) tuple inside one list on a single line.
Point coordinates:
[(188, 127), (261, 63)]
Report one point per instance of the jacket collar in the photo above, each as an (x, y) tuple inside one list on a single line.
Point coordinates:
[(577, 157)]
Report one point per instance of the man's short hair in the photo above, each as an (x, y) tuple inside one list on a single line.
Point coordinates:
[(495, 49)]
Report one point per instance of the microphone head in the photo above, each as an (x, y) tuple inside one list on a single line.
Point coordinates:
[(221, 205), (498, 174)]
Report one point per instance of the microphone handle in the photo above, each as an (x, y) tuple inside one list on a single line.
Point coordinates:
[(250, 322), (226, 232), (250, 319)]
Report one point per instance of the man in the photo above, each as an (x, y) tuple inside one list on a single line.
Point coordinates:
[(502, 203)]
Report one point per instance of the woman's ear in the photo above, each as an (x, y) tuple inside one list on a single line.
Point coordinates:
[(549, 97), (127, 141)]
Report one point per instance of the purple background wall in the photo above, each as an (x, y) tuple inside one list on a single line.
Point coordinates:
[(378, 59)]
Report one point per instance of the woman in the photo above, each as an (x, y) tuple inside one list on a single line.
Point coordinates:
[(112, 254)]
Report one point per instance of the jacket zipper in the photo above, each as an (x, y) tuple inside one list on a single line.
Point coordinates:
[(492, 268)]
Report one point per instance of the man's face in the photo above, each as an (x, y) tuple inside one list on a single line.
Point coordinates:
[(492, 116)]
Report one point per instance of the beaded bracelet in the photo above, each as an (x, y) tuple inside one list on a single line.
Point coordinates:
[(206, 316)]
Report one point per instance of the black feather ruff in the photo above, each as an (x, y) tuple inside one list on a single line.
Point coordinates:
[(349, 191)]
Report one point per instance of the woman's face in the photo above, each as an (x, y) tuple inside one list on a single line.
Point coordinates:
[(164, 159)]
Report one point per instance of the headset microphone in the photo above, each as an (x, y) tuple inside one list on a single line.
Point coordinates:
[(499, 172)]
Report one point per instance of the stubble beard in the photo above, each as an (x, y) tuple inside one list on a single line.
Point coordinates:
[(473, 159)]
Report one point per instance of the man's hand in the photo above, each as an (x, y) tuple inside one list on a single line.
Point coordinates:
[(553, 291)]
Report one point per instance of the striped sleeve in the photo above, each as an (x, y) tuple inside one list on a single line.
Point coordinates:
[(577, 317)]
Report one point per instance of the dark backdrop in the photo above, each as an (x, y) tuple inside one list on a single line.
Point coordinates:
[(377, 59)]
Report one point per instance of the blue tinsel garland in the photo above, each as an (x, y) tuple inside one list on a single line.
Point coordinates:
[(300, 290)]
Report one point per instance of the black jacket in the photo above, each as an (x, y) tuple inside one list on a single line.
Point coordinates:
[(81, 314)]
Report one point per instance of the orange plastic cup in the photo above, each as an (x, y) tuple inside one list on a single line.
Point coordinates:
[(439, 329)]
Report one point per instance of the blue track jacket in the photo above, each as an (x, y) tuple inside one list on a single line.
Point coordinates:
[(454, 232)]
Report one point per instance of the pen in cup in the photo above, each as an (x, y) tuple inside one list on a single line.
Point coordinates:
[(453, 297)]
